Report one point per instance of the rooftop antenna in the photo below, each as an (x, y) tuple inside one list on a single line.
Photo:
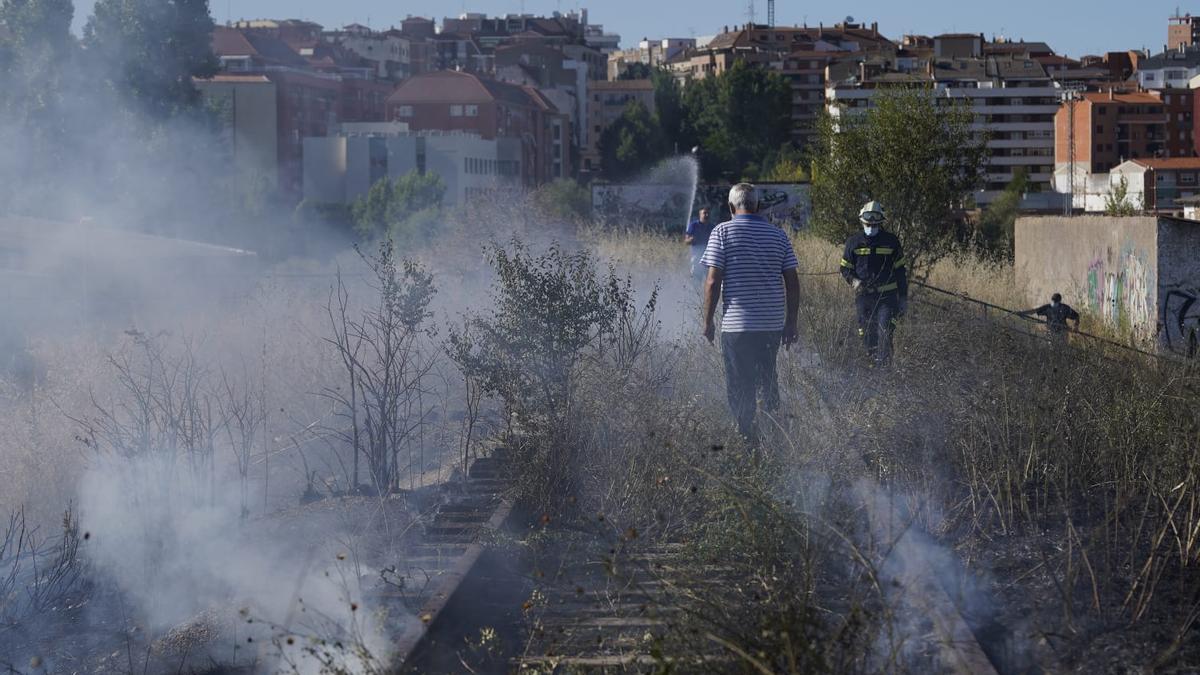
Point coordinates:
[(750, 11), (771, 13)]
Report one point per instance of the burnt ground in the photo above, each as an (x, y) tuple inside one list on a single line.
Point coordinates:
[(98, 630), (1031, 590)]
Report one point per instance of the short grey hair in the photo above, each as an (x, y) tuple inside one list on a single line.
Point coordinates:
[(743, 197)]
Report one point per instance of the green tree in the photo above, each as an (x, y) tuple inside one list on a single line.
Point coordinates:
[(1117, 202), (787, 165), (918, 157), (738, 118), (404, 208), (148, 51), (994, 238), (668, 108), (631, 144), (635, 71)]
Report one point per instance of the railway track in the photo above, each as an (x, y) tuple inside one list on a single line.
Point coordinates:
[(611, 603)]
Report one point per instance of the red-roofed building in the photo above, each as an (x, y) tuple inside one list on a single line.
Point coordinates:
[(1111, 127), (459, 101), (1158, 184)]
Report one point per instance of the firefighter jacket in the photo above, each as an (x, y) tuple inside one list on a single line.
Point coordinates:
[(878, 262)]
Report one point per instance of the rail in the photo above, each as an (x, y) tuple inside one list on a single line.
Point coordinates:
[(990, 307)]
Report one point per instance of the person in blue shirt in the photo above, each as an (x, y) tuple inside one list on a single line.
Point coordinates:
[(696, 237)]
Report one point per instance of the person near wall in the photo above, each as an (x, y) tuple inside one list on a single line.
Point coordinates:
[(1056, 315), (752, 272)]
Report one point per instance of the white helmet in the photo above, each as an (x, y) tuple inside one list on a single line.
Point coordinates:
[(872, 214)]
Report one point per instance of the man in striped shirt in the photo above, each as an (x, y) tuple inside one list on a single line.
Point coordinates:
[(752, 270)]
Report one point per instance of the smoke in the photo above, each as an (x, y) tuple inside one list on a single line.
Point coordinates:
[(173, 542)]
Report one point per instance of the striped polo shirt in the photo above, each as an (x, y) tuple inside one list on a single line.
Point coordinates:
[(753, 254)]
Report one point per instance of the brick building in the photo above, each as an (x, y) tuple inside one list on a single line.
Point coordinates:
[(1112, 127), (460, 101), (1183, 31), (1158, 184)]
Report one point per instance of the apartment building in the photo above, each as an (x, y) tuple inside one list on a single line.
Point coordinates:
[(1108, 128), (466, 102), (1013, 99)]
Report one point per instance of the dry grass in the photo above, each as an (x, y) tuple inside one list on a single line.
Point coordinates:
[(1067, 475)]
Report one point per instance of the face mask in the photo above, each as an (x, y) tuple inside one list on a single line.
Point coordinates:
[(870, 230)]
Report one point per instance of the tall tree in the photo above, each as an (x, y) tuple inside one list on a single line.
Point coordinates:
[(632, 143), (668, 107), (921, 159), (149, 51), (739, 119), (37, 52)]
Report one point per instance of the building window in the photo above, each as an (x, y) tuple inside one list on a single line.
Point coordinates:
[(456, 111), (404, 111), (1187, 178), (471, 110)]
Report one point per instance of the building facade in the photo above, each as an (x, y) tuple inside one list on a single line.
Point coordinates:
[(466, 102), (1012, 98), (1158, 184), (341, 168), (1099, 130)]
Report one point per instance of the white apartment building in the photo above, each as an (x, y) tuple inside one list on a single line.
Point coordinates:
[(1014, 102)]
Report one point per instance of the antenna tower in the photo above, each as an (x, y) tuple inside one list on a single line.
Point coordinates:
[(750, 11), (771, 13)]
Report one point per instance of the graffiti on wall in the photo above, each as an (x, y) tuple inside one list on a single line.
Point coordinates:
[(1121, 290), (1181, 319), (668, 207)]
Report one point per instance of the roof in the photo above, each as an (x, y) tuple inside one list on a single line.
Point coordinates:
[(453, 86), (227, 77), (1055, 60), (1019, 47), (958, 36), (621, 85), (233, 42), (1118, 97), (1187, 57), (1169, 163)]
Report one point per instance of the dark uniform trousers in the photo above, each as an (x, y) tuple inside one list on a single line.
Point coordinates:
[(877, 313), (750, 368)]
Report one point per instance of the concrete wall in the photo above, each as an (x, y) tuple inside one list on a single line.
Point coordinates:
[(1105, 266), (1179, 285)]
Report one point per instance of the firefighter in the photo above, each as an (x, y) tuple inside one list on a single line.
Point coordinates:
[(874, 265)]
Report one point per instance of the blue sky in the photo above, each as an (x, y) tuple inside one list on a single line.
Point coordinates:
[(1072, 27)]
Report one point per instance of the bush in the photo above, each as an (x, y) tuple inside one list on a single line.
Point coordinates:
[(399, 207), (563, 200)]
